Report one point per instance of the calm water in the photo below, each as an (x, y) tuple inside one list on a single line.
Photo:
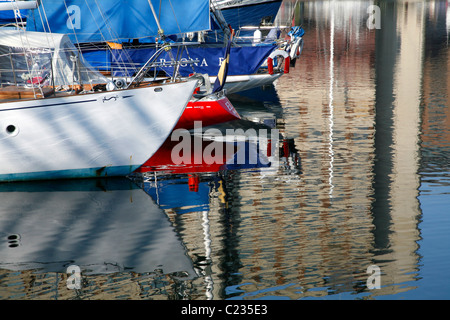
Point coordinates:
[(363, 180)]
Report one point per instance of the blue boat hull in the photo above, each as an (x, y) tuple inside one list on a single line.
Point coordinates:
[(243, 60)]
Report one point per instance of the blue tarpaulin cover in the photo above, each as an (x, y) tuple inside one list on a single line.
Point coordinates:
[(118, 20), (251, 14)]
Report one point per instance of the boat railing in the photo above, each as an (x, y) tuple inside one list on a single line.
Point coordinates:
[(153, 63)]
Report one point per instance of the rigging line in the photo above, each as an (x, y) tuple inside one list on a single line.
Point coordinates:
[(48, 33), (123, 65), (48, 25), (25, 55), (18, 15), (161, 33), (69, 19), (292, 17), (175, 16), (95, 21), (93, 18), (79, 52), (160, 6), (45, 17), (59, 67), (43, 25), (113, 35), (189, 58), (160, 30), (179, 29)]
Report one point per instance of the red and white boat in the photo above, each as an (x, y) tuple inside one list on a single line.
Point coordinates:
[(208, 107), (211, 109)]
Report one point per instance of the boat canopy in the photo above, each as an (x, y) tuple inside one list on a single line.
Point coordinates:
[(84, 21), (242, 13), (37, 58)]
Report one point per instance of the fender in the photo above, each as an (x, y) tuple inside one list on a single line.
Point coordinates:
[(296, 48), (274, 54)]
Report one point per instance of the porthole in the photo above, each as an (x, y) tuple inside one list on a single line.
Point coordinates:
[(13, 240), (159, 89), (13, 237), (12, 130)]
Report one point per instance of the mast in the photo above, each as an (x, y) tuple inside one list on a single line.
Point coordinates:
[(167, 48), (160, 30), (221, 20)]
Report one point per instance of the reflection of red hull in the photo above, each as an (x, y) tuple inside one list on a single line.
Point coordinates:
[(198, 162), (210, 110)]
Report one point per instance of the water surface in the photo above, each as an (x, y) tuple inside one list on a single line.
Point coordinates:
[(363, 180)]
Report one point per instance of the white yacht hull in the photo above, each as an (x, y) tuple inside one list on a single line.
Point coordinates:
[(88, 135)]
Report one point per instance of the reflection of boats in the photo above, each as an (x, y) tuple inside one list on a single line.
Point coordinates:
[(191, 180), (193, 183), (194, 159), (210, 151), (204, 156), (57, 120), (100, 225), (192, 191), (259, 105)]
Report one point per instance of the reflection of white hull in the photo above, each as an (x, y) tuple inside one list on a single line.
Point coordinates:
[(238, 83), (99, 225), (88, 135)]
